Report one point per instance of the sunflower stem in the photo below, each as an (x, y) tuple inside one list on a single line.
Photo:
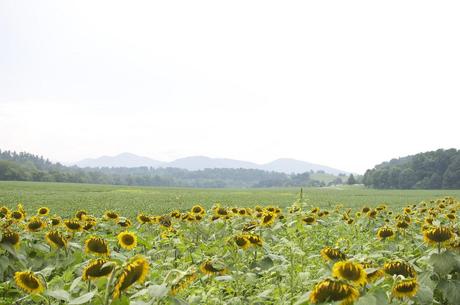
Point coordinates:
[(107, 289)]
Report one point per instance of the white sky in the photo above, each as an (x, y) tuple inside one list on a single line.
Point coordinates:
[(347, 84)]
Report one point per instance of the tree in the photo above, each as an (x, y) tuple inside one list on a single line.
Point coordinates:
[(351, 180)]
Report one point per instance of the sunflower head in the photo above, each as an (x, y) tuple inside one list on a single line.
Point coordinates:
[(134, 272), (124, 222), (97, 268), (334, 290), (197, 209), (43, 211), (437, 235), (80, 215), (143, 219), (402, 224), (165, 221), (97, 246), (35, 224), (127, 240), (182, 283), (73, 225), (267, 219), (17, 215), (330, 254), (55, 221), (399, 268), (56, 239), (309, 219), (385, 232), (254, 239), (111, 215), (213, 268), (242, 241), (405, 288), (29, 282), (350, 271), (10, 237)]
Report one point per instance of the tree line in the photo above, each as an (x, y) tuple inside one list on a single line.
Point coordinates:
[(438, 169), (24, 166)]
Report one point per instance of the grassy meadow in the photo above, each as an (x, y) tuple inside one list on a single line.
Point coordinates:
[(65, 198)]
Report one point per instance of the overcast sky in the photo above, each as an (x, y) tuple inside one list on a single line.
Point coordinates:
[(347, 84)]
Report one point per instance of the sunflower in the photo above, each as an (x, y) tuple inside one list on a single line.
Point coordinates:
[(55, 239), (124, 222), (17, 215), (437, 235), (80, 215), (254, 239), (330, 254), (11, 238), (127, 240), (55, 221), (89, 225), (399, 268), (197, 209), (182, 282), (402, 224), (267, 219), (5, 211), (451, 216), (175, 214), (29, 282), (73, 225), (309, 220), (333, 290), (143, 219), (350, 271), (372, 213), (20, 208), (35, 224), (374, 275), (43, 211), (250, 226), (213, 268), (97, 268), (111, 215), (96, 246), (221, 212), (405, 288), (165, 221), (134, 272), (242, 241), (350, 221), (365, 210), (385, 232)]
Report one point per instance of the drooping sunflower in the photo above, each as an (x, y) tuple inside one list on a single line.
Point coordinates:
[(175, 214), (165, 221), (213, 268), (96, 245), (73, 225), (111, 215), (438, 235), (405, 288), (242, 241), (182, 283), (250, 226), (402, 224), (399, 268), (134, 272), (80, 215), (309, 220), (56, 239), (35, 224), (143, 219), (374, 275), (43, 211), (330, 254), (254, 239), (29, 282), (89, 225), (97, 268), (334, 290), (10, 237), (5, 211), (385, 232), (124, 222), (350, 271), (127, 240), (221, 212)]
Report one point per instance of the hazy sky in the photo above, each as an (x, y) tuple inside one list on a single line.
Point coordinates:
[(341, 83)]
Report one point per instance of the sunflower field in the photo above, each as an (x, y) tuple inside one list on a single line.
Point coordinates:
[(302, 254)]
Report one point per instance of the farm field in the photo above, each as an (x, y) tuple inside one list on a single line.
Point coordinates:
[(101, 245), (65, 199)]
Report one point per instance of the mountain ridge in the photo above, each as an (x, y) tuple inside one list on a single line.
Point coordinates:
[(284, 165)]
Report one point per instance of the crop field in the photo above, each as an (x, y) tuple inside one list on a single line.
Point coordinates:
[(101, 245), (65, 199)]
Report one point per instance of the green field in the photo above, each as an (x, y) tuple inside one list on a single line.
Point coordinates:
[(65, 199)]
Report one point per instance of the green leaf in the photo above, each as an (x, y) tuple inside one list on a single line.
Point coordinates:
[(368, 299), (124, 300), (59, 294), (450, 290), (83, 299), (158, 291), (424, 295), (443, 263), (75, 283)]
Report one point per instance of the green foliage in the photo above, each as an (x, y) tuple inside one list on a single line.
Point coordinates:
[(438, 169)]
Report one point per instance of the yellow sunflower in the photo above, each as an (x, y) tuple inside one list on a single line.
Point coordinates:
[(111, 215), (143, 219), (35, 224), (406, 288), (56, 239), (309, 220), (43, 211), (242, 241), (267, 219), (385, 232), (29, 282), (182, 283), (197, 209), (330, 254), (350, 271), (437, 235), (96, 245), (213, 268), (399, 268), (11, 238), (73, 225), (97, 268), (334, 290), (17, 216), (134, 272), (80, 215), (127, 240)]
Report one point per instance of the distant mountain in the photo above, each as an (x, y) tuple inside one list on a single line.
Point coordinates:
[(201, 162), (121, 160)]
